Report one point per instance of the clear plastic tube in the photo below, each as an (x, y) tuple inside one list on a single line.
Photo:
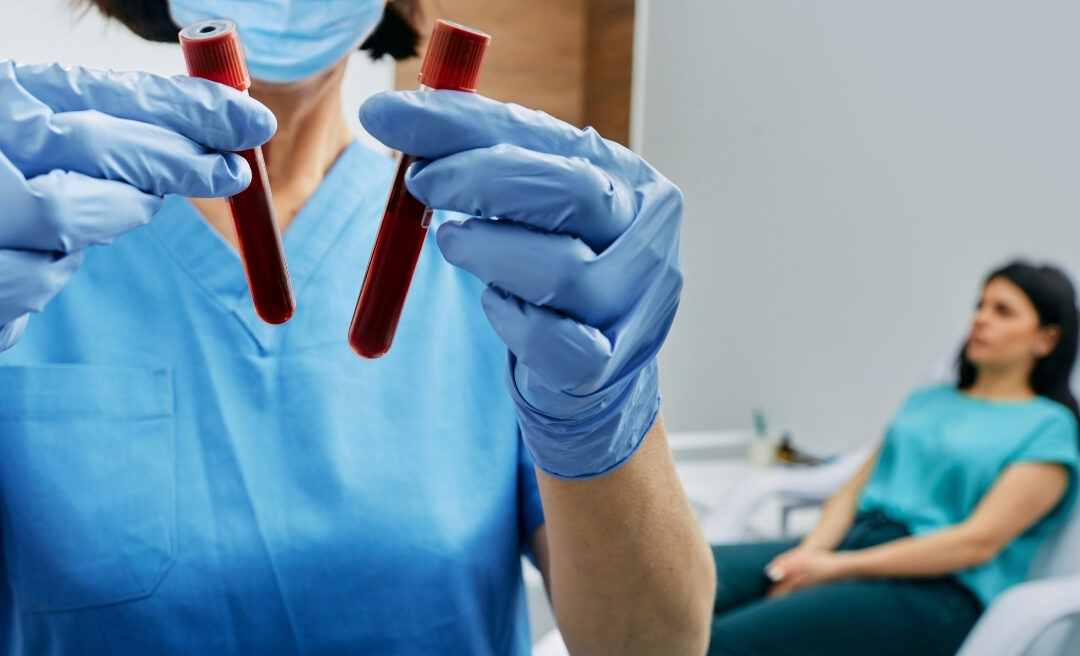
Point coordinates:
[(212, 51), (452, 61)]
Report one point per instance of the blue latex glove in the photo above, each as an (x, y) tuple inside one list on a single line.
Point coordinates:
[(87, 155), (582, 266)]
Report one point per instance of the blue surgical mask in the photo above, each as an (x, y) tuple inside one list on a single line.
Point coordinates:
[(286, 41)]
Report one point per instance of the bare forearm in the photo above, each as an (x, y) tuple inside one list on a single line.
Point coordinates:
[(938, 554), (836, 519), (839, 513), (1022, 495), (629, 570)]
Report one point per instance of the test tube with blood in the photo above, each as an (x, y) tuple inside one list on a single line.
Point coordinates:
[(452, 61), (212, 51)]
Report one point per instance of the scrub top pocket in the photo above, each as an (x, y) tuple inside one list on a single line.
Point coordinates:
[(87, 483)]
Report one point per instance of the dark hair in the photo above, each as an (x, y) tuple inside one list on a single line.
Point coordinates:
[(396, 34), (1054, 298)]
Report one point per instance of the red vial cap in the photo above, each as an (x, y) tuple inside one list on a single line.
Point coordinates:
[(454, 56), (212, 51)]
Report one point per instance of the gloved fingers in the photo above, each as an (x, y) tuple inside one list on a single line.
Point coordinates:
[(149, 157), (30, 279), (567, 195), (208, 113), (546, 269), (62, 211), (567, 355), (434, 124)]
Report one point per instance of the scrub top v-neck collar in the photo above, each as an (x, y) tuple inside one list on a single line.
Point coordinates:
[(215, 265)]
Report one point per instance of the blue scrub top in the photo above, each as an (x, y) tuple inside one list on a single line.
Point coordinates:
[(945, 450), (177, 477)]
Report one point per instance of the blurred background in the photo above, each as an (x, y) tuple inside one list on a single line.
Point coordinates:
[(851, 170)]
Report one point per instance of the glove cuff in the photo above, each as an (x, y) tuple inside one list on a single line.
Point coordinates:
[(11, 331), (599, 439)]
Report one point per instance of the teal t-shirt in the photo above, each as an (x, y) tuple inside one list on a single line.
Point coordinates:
[(944, 451)]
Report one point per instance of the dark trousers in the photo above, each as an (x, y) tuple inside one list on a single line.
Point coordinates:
[(869, 617)]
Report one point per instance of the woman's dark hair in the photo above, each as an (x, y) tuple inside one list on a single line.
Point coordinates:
[(396, 34), (1054, 298)]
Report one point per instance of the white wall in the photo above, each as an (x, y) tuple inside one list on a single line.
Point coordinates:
[(851, 170), (52, 30)]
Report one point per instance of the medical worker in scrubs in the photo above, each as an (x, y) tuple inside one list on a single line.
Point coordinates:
[(178, 477)]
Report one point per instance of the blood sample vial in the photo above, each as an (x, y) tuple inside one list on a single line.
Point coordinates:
[(453, 60), (212, 51)]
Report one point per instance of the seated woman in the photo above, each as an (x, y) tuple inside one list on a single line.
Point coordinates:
[(947, 513)]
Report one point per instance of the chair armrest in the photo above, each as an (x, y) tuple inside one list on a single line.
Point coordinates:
[(1017, 618), (729, 520)]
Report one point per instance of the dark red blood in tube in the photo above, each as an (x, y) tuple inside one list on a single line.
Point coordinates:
[(393, 261), (212, 51), (453, 60)]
